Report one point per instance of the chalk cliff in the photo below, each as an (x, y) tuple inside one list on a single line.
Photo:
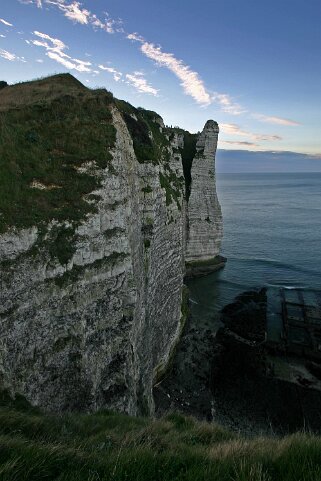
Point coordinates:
[(94, 228)]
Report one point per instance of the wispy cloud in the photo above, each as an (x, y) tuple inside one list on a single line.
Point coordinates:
[(11, 56), (136, 37), (190, 80), (228, 105), (234, 129), (55, 49), (2, 36), (116, 74), (138, 81), (239, 143), (194, 86), (72, 64), (8, 24), (74, 11), (38, 3), (275, 120)]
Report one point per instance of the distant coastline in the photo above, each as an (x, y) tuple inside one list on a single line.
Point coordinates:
[(247, 161)]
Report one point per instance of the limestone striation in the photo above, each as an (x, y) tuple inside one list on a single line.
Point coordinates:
[(94, 227)]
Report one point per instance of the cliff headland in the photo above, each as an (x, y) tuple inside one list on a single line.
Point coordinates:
[(104, 210)]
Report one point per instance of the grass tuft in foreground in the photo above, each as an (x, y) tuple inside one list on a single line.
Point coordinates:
[(109, 446)]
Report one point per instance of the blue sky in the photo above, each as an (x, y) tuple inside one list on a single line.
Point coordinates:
[(253, 66)]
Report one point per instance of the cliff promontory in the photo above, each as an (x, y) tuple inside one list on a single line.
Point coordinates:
[(100, 207)]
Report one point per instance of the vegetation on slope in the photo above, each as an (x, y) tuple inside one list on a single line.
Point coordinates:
[(55, 136), (49, 129), (188, 154), (107, 446), (150, 144)]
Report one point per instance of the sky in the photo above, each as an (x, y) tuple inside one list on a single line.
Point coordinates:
[(253, 66)]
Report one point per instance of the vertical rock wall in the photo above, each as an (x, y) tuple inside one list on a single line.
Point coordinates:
[(99, 330)]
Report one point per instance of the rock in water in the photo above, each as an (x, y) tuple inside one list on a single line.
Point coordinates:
[(204, 225)]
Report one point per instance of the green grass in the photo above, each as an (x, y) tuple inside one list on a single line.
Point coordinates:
[(55, 137), (44, 143), (173, 187), (150, 144), (110, 446), (55, 141)]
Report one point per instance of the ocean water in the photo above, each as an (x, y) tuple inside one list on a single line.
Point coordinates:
[(272, 237)]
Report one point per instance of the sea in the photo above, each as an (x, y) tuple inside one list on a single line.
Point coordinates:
[(272, 238)]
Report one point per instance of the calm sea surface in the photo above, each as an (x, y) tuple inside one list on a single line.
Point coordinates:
[(272, 237)]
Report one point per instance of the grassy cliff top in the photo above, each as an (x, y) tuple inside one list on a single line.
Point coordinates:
[(114, 447), (42, 90), (50, 128)]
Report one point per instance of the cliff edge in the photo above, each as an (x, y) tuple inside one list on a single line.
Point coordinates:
[(99, 204)]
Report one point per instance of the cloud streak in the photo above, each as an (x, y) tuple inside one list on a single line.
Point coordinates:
[(8, 24), (75, 12), (228, 105), (275, 120), (239, 143), (115, 73), (72, 11), (55, 49), (233, 129), (190, 80), (138, 81), (11, 56)]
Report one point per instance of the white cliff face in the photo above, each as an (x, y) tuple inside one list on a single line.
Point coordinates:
[(204, 226), (98, 330), (65, 330)]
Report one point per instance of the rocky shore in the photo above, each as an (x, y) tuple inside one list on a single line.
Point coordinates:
[(249, 395), (227, 376)]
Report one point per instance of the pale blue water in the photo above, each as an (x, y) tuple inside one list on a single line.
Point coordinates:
[(272, 237)]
